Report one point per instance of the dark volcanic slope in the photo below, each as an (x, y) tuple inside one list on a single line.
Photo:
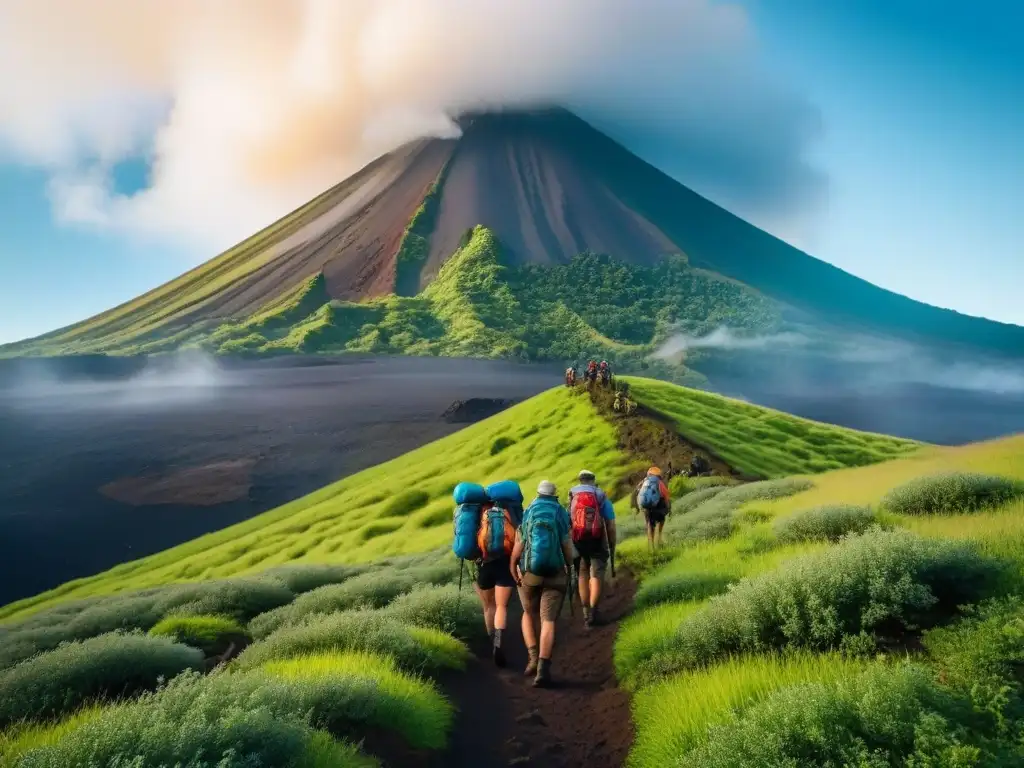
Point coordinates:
[(518, 175), (549, 186), (216, 447)]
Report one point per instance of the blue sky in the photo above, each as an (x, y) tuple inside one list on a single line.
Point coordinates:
[(922, 109)]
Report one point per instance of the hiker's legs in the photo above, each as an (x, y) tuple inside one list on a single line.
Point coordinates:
[(502, 595), (551, 601), (487, 600), (584, 583), (530, 598), (661, 527), (547, 639)]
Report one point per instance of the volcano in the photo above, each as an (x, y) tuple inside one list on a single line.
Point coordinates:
[(547, 187)]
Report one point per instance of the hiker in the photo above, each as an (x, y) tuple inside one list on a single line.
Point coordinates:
[(618, 404), (652, 497), (699, 466), (494, 583), (485, 526), (605, 373), (593, 534), (570, 376), (540, 567)]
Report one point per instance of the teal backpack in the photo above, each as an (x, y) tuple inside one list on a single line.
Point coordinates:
[(542, 546)]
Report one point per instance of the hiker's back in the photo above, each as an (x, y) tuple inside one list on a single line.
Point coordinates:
[(542, 531)]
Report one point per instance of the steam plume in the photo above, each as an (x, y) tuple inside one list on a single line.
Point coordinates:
[(247, 108)]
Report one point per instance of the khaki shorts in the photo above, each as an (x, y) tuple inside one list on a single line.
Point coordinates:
[(545, 595), (594, 566)]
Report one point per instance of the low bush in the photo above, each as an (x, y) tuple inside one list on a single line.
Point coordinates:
[(825, 523), (210, 634), (368, 631), (405, 503), (239, 598), (303, 578), (443, 608), (182, 725), (681, 484), (694, 499), (346, 693), (883, 717), (982, 655), (677, 587), (106, 667), (374, 589), (709, 522), (709, 514), (880, 583), (952, 493)]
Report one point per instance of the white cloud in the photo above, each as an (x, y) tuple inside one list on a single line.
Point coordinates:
[(250, 107)]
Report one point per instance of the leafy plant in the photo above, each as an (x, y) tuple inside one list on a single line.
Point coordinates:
[(210, 634), (952, 493), (880, 582), (106, 667), (826, 523)]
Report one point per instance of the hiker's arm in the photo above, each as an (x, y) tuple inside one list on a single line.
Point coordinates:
[(610, 527), (567, 552), (517, 553)]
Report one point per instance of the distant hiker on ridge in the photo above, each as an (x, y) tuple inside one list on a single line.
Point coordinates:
[(593, 534), (652, 497), (540, 566)]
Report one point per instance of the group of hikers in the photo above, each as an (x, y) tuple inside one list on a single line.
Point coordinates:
[(593, 373), (536, 551)]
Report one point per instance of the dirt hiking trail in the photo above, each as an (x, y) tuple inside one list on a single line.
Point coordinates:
[(501, 720)]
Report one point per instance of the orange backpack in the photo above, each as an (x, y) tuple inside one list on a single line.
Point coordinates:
[(497, 534)]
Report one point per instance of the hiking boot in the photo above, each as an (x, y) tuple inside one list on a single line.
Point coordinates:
[(497, 653), (592, 618), (543, 678), (586, 615), (531, 665)]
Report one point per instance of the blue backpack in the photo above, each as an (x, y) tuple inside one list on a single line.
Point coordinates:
[(470, 499), (650, 492), (542, 546)]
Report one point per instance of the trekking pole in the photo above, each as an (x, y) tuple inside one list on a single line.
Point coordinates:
[(462, 566)]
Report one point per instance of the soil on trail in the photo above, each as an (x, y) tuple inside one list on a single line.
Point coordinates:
[(650, 435), (584, 719)]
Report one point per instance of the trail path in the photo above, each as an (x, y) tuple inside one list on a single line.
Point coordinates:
[(583, 720)]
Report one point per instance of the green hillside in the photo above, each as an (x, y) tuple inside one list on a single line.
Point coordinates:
[(753, 677), (761, 441), (348, 598)]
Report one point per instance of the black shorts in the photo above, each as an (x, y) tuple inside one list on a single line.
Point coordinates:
[(495, 573), (656, 516)]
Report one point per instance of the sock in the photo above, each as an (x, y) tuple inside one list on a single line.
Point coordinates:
[(496, 638)]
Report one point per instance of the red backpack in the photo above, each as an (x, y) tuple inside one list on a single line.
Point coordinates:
[(585, 514)]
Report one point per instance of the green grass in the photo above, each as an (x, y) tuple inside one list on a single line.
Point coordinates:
[(673, 716), (679, 722), (410, 706), (413, 648), (210, 634), (329, 525), (760, 441)]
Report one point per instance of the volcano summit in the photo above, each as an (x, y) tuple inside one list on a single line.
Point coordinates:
[(531, 235)]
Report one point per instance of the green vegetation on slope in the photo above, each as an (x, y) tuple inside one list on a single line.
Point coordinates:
[(761, 441), (415, 245), (864, 600), (479, 307)]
